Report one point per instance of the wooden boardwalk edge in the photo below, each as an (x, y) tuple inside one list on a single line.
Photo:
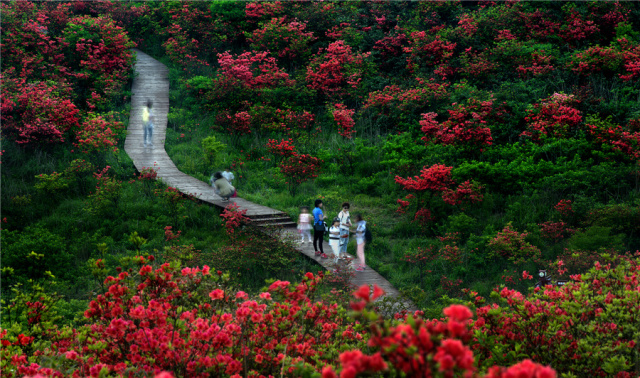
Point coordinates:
[(152, 83)]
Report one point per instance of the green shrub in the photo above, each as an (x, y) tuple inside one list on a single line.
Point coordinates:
[(594, 238)]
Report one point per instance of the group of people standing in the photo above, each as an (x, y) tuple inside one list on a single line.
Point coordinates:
[(341, 228), (221, 182)]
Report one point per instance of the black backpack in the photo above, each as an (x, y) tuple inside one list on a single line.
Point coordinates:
[(367, 235)]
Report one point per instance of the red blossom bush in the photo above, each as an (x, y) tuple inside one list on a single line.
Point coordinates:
[(416, 347), (35, 113), (564, 208), (299, 168), (336, 71), (511, 245), (237, 124), (233, 218), (577, 28), (588, 325), (426, 51), (624, 139), (282, 38), (251, 69), (555, 231), (188, 321), (466, 126), (284, 148), (344, 119), (98, 134), (465, 193), (436, 178), (555, 116)]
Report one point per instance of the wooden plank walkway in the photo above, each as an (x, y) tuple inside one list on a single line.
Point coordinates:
[(152, 83)]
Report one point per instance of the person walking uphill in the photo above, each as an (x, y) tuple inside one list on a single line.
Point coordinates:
[(222, 186), (147, 121), (318, 228), (361, 229)]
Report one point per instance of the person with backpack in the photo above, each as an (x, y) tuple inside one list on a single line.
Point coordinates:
[(318, 228), (147, 123), (361, 231)]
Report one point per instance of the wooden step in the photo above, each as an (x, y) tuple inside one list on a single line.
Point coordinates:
[(289, 224)]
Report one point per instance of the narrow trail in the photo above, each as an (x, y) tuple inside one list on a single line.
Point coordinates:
[(152, 83)]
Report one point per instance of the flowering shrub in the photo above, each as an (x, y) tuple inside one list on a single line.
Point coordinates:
[(299, 168), (98, 134), (106, 195), (336, 71), (511, 245), (577, 28), (467, 192), (467, 125), (100, 54), (286, 40), (554, 116), (344, 119), (284, 148), (233, 218), (237, 124), (589, 325), (399, 108), (436, 178), (425, 51), (564, 208), (623, 139), (555, 230), (35, 113), (190, 322), (418, 347)]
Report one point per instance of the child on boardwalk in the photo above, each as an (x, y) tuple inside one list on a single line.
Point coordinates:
[(147, 123), (360, 240), (334, 239), (304, 224)]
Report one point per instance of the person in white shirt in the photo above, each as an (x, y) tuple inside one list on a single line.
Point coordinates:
[(228, 175), (334, 238), (345, 224)]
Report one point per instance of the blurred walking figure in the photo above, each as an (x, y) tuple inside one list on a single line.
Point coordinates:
[(222, 186), (360, 240), (147, 123)]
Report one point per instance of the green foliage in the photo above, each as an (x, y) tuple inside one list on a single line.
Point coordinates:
[(34, 250), (594, 238), (212, 148)]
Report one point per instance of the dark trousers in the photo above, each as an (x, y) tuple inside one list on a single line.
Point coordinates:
[(318, 236)]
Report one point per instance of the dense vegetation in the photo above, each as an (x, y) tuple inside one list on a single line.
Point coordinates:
[(481, 141)]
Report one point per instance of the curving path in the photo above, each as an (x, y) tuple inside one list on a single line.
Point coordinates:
[(152, 82)]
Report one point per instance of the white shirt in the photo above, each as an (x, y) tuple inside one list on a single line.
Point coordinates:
[(334, 232), (228, 175)]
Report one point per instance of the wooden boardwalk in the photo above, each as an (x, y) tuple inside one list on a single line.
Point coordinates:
[(152, 83)]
